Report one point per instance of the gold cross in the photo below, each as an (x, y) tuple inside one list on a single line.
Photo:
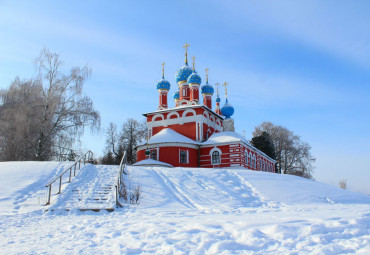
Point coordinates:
[(193, 63), (186, 52), (217, 84), (206, 74), (225, 85), (163, 69), (186, 46)]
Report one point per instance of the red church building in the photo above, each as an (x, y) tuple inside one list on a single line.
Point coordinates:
[(192, 134)]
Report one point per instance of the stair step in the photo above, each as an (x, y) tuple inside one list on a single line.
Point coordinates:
[(96, 194)]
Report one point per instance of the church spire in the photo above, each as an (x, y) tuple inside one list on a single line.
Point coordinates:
[(206, 75), (225, 85), (163, 69), (218, 100), (186, 52), (193, 63)]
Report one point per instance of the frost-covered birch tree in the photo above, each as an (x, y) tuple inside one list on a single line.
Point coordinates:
[(56, 109)]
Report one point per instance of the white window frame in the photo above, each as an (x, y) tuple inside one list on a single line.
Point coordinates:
[(220, 153)]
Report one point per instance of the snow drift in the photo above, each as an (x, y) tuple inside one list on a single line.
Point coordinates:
[(187, 211)]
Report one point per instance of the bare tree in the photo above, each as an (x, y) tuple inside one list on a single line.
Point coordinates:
[(132, 133), (293, 155), (113, 149), (39, 112), (113, 140), (343, 184)]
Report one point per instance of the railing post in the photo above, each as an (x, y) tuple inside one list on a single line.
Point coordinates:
[(70, 174), (85, 159), (74, 174), (79, 164), (117, 198), (48, 203), (60, 184)]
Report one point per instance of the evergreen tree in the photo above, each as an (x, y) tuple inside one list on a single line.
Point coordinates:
[(72, 156), (264, 143), (108, 159)]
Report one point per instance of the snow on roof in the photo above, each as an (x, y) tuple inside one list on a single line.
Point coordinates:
[(225, 137), (168, 135), (230, 137), (151, 162)]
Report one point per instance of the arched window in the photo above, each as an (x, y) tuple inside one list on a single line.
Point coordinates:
[(249, 159), (153, 154), (215, 157), (183, 157)]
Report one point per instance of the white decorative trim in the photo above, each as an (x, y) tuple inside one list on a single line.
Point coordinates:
[(157, 116), (183, 102), (180, 121), (215, 149), (206, 115), (187, 111), (171, 114), (219, 152)]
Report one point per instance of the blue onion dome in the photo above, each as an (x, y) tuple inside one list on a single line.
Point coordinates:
[(218, 99), (207, 89), (183, 73), (194, 78), (227, 110), (163, 84), (176, 95)]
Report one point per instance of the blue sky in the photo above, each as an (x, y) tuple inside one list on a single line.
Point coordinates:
[(300, 64)]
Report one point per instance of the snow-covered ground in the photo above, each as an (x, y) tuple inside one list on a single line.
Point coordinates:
[(187, 211)]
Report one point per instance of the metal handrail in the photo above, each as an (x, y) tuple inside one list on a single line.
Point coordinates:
[(121, 171), (88, 155)]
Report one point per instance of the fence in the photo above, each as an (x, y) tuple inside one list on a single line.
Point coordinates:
[(120, 183), (85, 158)]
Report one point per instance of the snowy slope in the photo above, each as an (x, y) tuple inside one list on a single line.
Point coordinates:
[(202, 211), (22, 184)]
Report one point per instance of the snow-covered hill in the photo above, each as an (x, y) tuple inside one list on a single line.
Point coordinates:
[(22, 184), (189, 211)]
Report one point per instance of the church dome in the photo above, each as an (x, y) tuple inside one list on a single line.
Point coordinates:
[(183, 73), (163, 84), (176, 95), (218, 99), (227, 110), (194, 78), (207, 89)]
